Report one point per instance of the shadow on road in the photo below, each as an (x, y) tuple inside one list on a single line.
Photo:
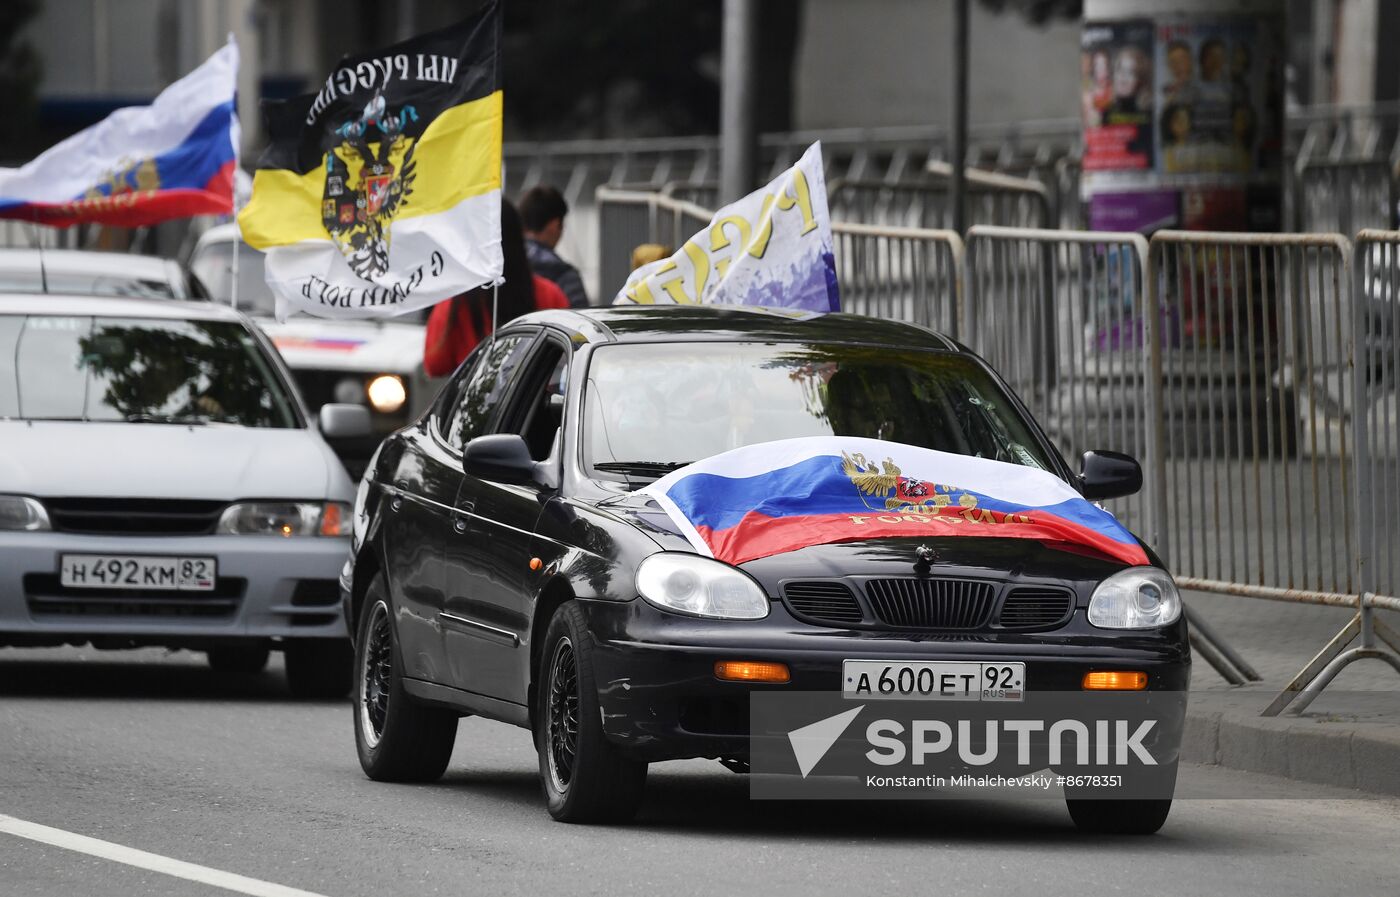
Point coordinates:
[(164, 677), (692, 802)]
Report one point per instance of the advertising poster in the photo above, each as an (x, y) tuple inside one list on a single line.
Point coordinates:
[(1183, 115), (1116, 96)]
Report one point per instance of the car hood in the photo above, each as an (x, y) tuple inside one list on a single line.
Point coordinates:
[(975, 557), (361, 346), (113, 460)]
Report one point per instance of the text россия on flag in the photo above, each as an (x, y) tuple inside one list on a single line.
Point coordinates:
[(773, 247), (142, 164), (381, 193)]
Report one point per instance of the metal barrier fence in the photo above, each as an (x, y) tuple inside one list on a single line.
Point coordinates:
[(992, 198), (1060, 316), (1254, 467), (1344, 195)]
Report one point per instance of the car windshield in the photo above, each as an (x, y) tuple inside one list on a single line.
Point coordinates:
[(138, 370), (83, 283), (212, 264), (649, 408)]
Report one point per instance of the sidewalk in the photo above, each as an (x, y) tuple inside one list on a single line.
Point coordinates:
[(1349, 736)]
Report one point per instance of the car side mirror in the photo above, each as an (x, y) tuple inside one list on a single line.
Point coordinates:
[(1108, 475), (344, 421), (500, 457)]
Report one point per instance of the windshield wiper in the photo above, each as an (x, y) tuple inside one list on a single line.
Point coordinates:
[(166, 419), (640, 467)]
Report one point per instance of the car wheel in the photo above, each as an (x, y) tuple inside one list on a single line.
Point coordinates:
[(239, 658), (318, 669), (585, 777), (1127, 816), (398, 739)]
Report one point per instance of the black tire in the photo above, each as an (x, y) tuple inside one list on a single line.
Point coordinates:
[(242, 659), (397, 739), (1142, 816), (584, 776), (318, 669)]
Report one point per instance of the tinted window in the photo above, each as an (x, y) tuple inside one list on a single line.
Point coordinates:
[(158, 371), (485, 387), (676, 403), (537, 408)]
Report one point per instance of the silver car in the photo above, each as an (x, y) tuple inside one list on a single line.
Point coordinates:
[(160, 484)]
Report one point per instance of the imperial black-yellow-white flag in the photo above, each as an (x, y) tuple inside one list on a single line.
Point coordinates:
[(381, 194)]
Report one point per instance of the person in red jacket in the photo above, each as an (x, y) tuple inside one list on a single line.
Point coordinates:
[(456, 325)]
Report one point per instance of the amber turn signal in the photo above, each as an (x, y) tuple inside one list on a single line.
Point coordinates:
[(751, 671), (1115, 680), (536, 563)]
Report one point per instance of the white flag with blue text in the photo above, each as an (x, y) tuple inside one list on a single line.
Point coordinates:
[(773, 247)]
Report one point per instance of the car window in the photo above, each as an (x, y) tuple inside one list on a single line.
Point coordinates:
[(485, 387), (85, 283), (537, 407), (139, 370), (668, 404)]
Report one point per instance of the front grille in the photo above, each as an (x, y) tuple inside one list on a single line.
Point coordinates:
[(826, 602), (1035, 608), (931, 603), (45, 595), (134, 516)]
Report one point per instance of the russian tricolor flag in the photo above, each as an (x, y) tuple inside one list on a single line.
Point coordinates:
[(773, 497), (140, 165)]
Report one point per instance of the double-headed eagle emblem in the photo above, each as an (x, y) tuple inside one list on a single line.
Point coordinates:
[(366, 185), (899, 493)]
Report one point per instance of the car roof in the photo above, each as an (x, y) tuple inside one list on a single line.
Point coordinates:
[(693, 323), (115, 307), (83, 261), (219, 233)]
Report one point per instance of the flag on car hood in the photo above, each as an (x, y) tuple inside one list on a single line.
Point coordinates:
[(381, 194), (774, 497), (140, 165), (773, 247)]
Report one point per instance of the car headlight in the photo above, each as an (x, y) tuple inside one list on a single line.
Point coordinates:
[(19, 513), (386, 393), (286, 518), (690, 584), (1136, 598)]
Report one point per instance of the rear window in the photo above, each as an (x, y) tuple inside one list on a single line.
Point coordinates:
[(88, 283), (138, 370)]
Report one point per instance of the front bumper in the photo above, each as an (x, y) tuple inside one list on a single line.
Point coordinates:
[(266, 588), (660, 699)]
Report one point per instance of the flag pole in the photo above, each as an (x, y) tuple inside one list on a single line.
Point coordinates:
[(233, 268), (495, 289)]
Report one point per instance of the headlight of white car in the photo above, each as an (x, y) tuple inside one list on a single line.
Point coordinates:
[(22, 513), (701, 587), (1136, 598), (286, 518)]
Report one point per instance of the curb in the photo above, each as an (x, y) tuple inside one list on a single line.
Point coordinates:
[(1324, 750)]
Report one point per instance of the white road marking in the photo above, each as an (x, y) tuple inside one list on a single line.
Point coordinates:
[(142, 860)]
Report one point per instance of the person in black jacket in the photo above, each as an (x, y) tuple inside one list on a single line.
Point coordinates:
[(542, 209)]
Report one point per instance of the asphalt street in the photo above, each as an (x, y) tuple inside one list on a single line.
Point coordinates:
[(156, 752)]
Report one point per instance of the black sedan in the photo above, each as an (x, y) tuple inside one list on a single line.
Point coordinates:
[(498, 540)]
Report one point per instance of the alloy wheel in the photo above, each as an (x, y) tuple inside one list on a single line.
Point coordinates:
[(562, 719), (374, 675)]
